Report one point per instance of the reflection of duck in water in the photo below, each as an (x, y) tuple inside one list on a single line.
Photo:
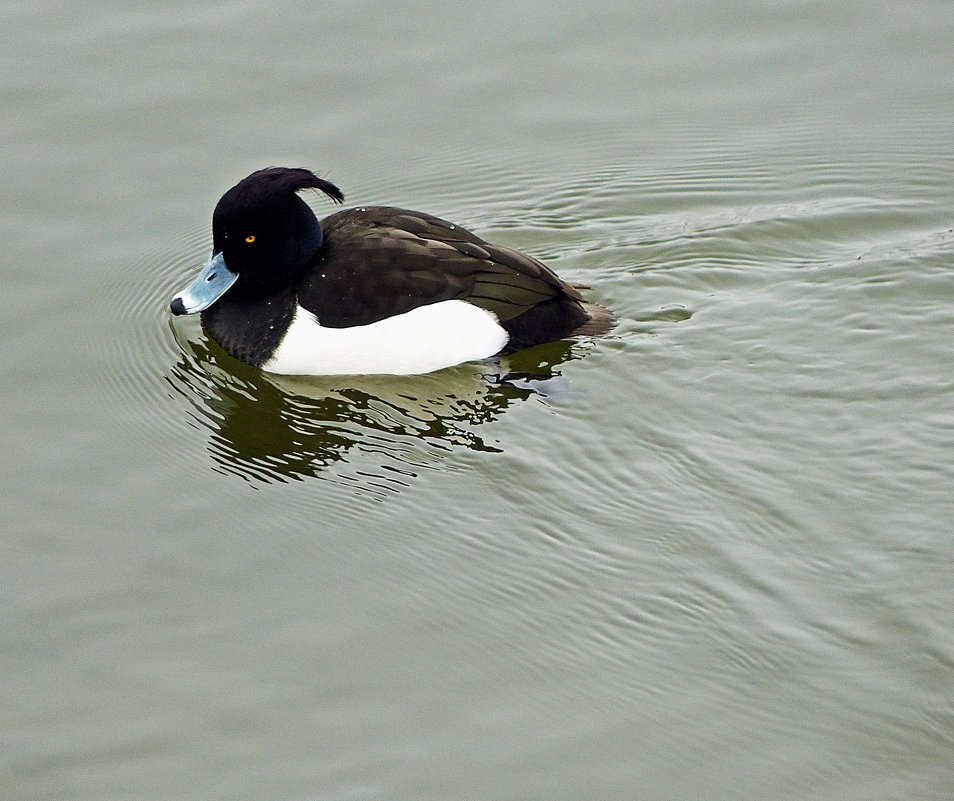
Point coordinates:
[(368, 290), (380, 429)]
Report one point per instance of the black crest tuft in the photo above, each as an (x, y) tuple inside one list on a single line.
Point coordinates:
[(278, 182)]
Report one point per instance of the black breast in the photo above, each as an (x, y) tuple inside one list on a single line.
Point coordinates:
[(249, 322)]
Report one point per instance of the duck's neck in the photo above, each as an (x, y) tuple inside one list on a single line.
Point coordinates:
[(304, 238)]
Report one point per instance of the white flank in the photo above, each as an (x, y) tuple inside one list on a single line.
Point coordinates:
[(419, 341)]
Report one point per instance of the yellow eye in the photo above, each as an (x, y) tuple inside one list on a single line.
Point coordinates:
[(250, 238)]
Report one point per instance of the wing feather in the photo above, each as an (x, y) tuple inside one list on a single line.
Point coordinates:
[(380, 261)]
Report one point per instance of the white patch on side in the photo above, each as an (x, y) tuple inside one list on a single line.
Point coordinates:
[(422, 340)]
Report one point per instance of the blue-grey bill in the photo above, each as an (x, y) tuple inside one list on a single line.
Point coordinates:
[(212, 283)]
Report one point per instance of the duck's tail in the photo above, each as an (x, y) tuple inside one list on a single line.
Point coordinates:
[(601, 321)]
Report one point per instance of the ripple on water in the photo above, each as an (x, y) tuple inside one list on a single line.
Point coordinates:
[(143, 349), (695, 523)]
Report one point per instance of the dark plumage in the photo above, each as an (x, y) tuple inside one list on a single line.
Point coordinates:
[(361, 266)]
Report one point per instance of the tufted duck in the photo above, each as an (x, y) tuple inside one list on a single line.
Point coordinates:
[(368, 290)]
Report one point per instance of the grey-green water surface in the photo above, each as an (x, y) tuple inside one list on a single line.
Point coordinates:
[(710, 556)]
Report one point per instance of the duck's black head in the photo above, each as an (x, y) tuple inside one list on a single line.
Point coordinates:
[(262, 232)]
